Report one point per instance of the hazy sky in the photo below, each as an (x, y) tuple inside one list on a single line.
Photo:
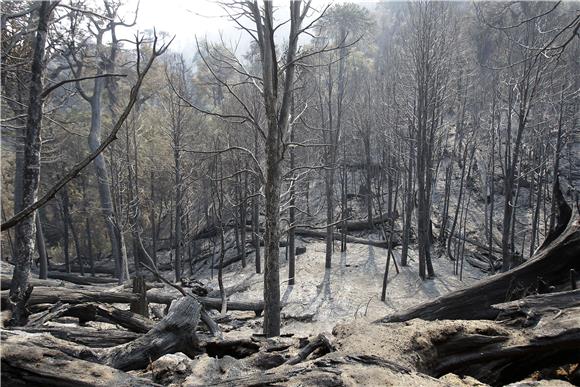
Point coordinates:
[(188, 18), (185, 19)]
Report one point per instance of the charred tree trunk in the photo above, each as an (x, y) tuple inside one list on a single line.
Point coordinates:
[(26, 230), (88, 234), (408, 204), (292, 218), (41, 247)]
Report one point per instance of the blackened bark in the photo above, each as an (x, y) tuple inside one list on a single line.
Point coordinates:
[(41, 247), (26, 229)]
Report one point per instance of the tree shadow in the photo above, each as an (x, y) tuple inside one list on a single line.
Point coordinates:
[(370, 265), (287, 293), (323, 293)]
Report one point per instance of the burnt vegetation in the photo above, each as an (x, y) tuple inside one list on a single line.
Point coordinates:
[(348, 194)]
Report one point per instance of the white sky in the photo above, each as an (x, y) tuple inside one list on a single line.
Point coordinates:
[(185, 19), (204, 18)]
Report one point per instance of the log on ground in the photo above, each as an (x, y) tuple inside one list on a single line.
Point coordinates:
[(34, 365), (174, 333), (552, 264), (166, 296), (349, 238), (52, 295)]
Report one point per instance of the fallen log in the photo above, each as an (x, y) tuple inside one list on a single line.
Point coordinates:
[(52, 295), (529, 310), (238, 288), (6, 281), (93, 312), (232, 260), (320, 341), (81, 280), (480, 264), (363, 225), (125, 318), (165, 297), (33, 365), (312, 233), (174, 333), (552, 264), (349, 238), (104, 269), (498, 361), (91, 337), (53, 312)]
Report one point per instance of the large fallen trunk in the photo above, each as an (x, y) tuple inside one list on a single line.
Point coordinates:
[(237, 258), (6, 281), (509, 356), (161, 296), (86, 294), (550, 265), (34, 365), (100, 269), (52, 295), (81, 280), (174, 333), (234, 259), (91, 337), (350, 239), (362, 225), (529, 310), (92, 312)]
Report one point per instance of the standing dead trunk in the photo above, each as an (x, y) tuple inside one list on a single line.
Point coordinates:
[(256, 214), (26, 229), (344, 200), (556, 169), (223, 294), (292, 217), (178, 198), (153, 253), (41, 247), (464, 163), (277, 116), (408, 203), (65, 232), (88, 234), (103, 179), (243, 215), (368, 167), (69, 228)]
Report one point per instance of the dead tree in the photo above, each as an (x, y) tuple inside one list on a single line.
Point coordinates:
[(26, 229)]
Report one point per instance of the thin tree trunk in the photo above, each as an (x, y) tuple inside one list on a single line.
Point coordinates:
[(465, 164), (88, 234), (557, 152), (344, 199), (65, 232), (243, 216), (256, 215), (26, 229), (41, 247), (408, 206), (152, 219), (292, 215), (178, 213)]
